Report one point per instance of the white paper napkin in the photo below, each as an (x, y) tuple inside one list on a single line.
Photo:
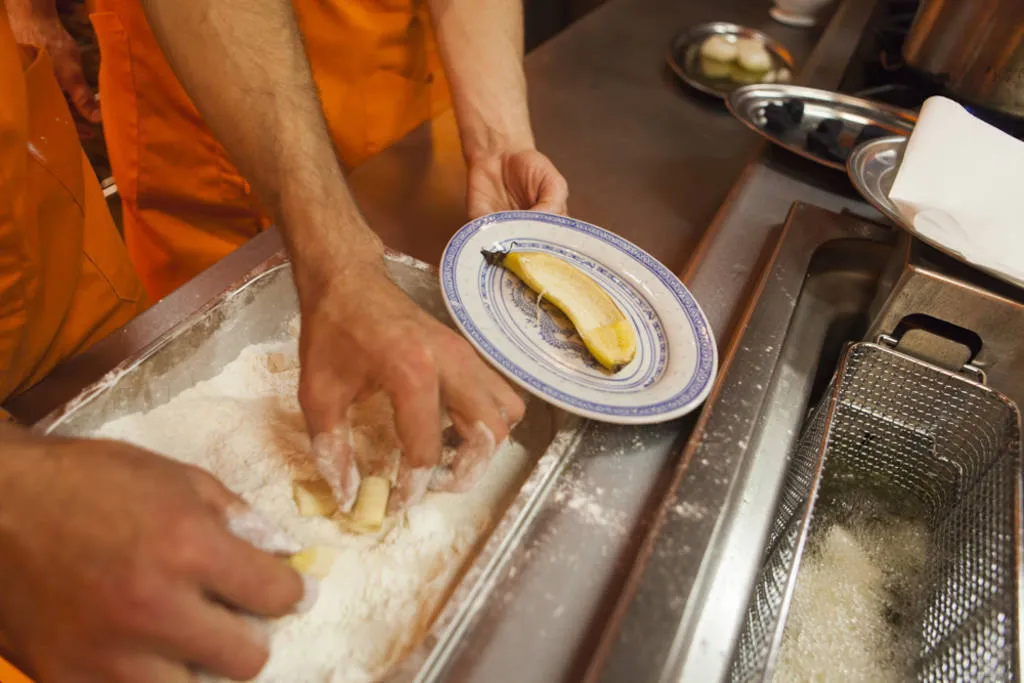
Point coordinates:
[(961, 184)]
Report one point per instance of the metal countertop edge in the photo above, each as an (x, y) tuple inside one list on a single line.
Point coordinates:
[(823, 69)]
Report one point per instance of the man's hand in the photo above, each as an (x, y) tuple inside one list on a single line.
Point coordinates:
[(119, 566), (362, 334), (523, 180), (36, 22), (481, 44)]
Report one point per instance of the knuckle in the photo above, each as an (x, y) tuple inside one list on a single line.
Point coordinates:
[(313, 390), (140, 597), (183, 551), (414, 368), (516, 409)]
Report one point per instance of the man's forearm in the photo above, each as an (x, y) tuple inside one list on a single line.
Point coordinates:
[(243, 64), (482, 47), (24, 10)]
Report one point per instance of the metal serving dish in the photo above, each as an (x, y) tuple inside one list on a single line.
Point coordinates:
[(748, 105), (685, 60), (872, 169), (258, 309)]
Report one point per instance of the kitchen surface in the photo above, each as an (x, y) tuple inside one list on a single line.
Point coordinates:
[(639, 553)]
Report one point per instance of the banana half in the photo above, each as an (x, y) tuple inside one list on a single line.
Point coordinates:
[(604, 329)]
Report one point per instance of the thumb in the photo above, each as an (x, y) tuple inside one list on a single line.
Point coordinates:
[(243, 522)]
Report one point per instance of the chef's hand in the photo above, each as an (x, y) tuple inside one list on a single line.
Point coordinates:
[(519, 180), (362, 334), (119, 566), (36, 22)]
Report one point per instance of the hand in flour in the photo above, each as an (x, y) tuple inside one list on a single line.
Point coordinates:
[(361, 335), (119, 565)]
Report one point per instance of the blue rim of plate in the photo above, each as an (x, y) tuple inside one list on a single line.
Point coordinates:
[(688, 397)]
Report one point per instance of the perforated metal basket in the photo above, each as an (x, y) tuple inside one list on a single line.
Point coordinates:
[(935, 447)]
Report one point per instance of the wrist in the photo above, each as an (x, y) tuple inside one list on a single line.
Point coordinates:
[(336, 263), (493, 143), (330, 244)]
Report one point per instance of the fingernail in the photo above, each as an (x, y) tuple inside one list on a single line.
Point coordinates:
[(252, 526), (411, 487), (333, 451), (476, 457), (310, 592), (260, 630)]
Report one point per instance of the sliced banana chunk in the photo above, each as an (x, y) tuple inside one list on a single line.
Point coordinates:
[(753, 55), (371, 506), (314, 498), (315, 561), (719, 49)]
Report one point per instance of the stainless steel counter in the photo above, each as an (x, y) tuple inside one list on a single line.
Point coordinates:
[(645, 158)]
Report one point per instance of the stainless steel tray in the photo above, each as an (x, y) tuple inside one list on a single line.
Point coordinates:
[(748, 105), (872, 169), (258, 309), (685, 60)]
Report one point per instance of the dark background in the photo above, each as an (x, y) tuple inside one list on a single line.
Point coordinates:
[(545, 18)]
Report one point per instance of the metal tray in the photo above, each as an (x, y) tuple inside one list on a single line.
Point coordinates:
[(685, 60), (258, 309), (748, 105), (872, 169)]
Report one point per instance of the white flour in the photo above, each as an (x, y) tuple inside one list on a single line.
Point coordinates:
[(246, 428)]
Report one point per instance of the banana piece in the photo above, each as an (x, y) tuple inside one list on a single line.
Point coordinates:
[(314, 498), (604, 329), (371, 506), (315, 561)]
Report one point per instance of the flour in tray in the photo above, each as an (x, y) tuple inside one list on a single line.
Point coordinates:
[(245, 427)]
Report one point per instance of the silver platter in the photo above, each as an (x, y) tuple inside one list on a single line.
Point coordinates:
[(872, 168), (748, 105), (685, 60)]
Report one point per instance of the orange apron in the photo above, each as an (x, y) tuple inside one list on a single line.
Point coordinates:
[(65, 277), (379, 75)]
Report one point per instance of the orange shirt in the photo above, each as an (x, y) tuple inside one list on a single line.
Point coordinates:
[(379, 75), (65, 277)]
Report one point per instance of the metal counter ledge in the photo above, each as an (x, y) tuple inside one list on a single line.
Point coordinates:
[(644, 157)]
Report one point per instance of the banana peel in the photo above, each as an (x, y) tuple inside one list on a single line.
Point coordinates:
[(604, 329)]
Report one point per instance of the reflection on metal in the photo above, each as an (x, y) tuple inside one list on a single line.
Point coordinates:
[(109, 188)]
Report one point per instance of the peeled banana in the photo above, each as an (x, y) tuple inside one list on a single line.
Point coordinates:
[(604, 329)]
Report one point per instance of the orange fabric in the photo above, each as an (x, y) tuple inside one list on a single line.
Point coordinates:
[(378, 71), (65, 277)]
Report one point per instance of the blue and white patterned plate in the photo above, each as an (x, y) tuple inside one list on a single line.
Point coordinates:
[(537, 347)]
